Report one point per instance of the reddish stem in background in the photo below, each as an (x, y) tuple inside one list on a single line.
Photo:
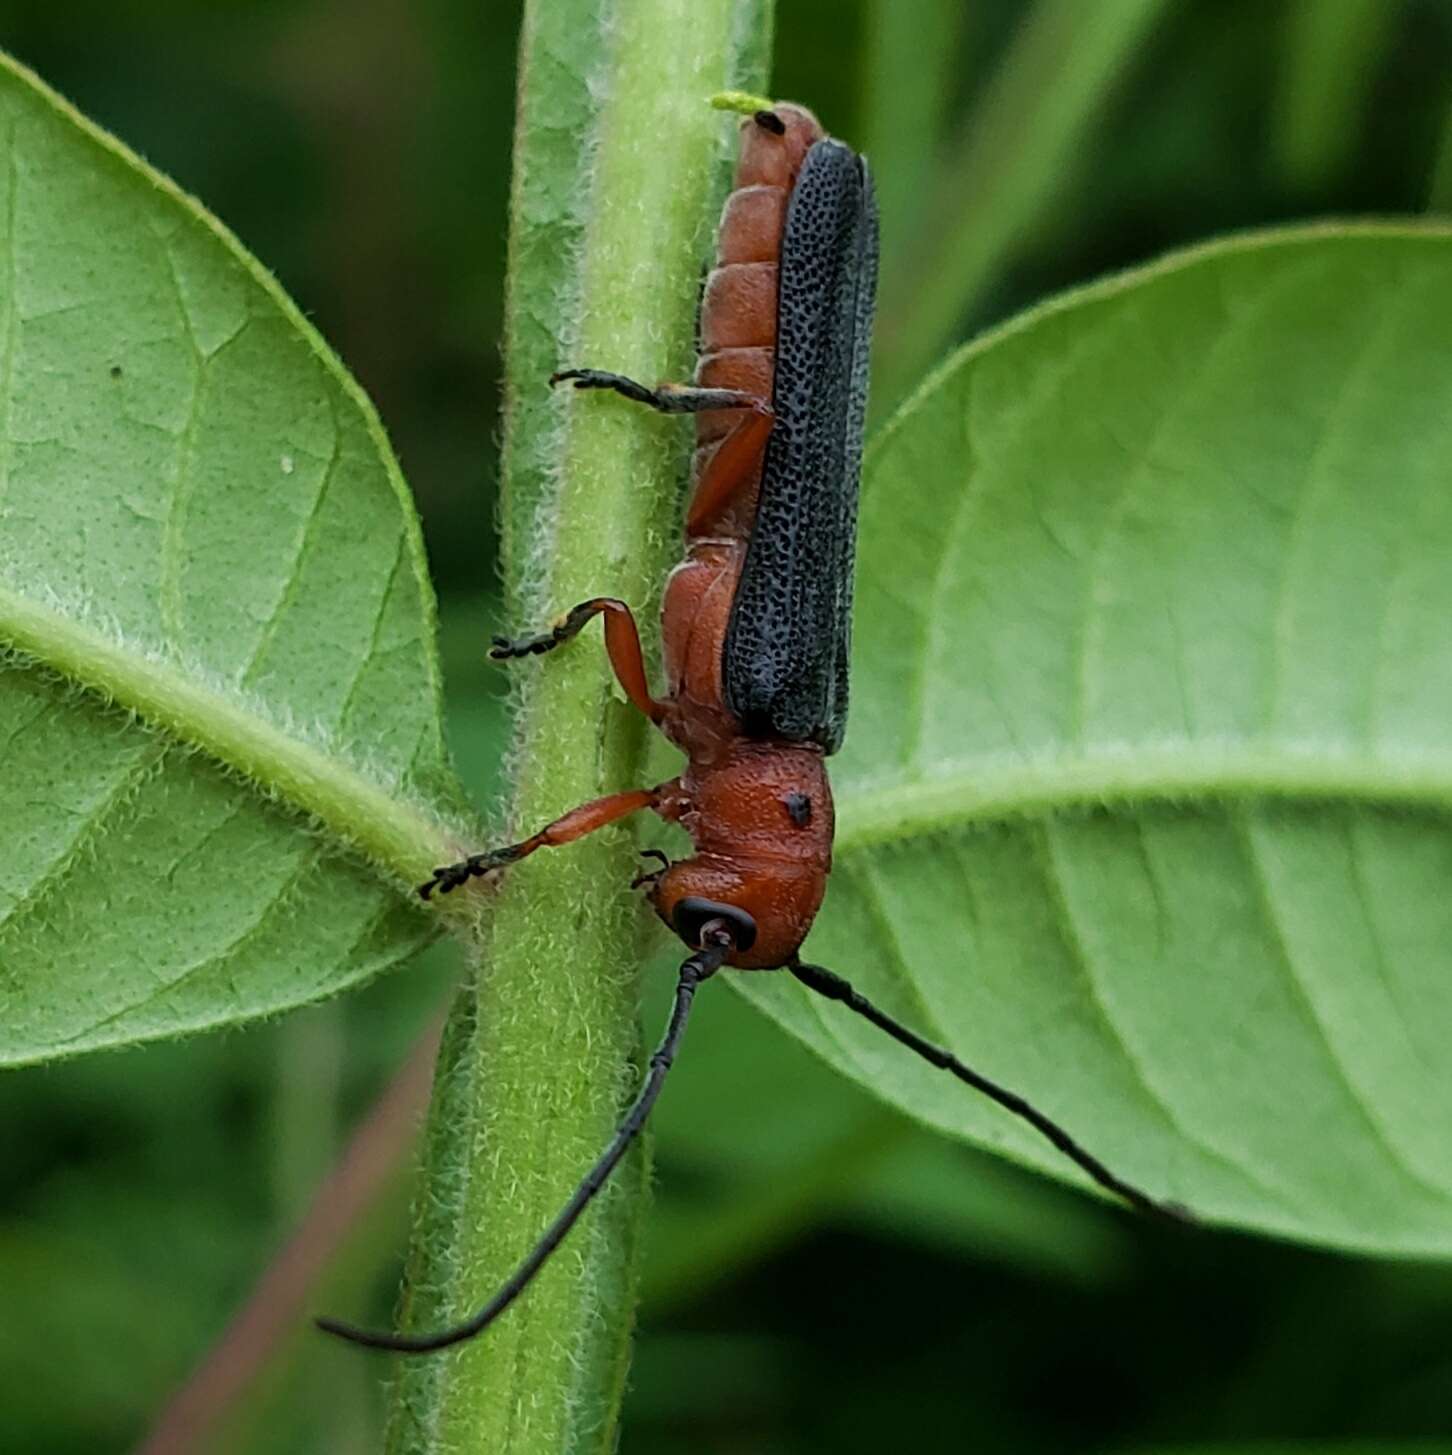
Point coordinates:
[(283, 1294)]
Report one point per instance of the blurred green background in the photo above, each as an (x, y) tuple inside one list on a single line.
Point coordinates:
[(823, 1276)]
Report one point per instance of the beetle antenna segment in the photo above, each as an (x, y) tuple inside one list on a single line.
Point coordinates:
[(834, 987), (758, 108), (701, 966), (742, 102)]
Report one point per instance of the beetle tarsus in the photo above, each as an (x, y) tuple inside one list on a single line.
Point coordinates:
[(505, 649), (649, 876), (603, 379), (665, 398), (449, 877)]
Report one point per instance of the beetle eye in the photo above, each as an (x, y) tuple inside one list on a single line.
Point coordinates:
[(691, 914)]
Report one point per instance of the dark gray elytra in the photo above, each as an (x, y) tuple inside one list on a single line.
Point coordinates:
[(790, 632)]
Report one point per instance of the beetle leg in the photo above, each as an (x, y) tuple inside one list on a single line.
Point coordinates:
[(564, 830), (622, 642), (734, 459), (730, 467), (667, 398), (649, 876)]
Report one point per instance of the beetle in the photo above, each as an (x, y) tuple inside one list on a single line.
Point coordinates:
[(755, 621)]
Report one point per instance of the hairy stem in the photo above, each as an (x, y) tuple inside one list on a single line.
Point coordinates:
[(618, 177)]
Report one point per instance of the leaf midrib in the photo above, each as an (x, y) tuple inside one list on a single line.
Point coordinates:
[(993, 787), (312, 778)]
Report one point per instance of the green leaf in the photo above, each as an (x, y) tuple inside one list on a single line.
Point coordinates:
[(1332, 52), (219, 707), (799, 1147), (1009, 172), (914, 58), (1146, 799)]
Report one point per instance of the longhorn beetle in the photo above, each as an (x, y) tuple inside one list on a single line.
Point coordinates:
[(756, 620)]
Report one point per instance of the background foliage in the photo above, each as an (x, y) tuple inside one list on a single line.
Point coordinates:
[(818, 1264)]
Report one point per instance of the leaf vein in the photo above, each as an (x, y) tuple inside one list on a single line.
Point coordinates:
[(368, 659), (1089, 647), (1281, 946), (999, 787), (1316, 479), (306, 862), (302, 549), (183, 471), (1389, 983), (315, 775), (1159, 1106), (117, 796), (874, 901), (937, 588)]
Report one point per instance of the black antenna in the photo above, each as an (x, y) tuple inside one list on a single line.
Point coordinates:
[(717, 944), (834, 987)]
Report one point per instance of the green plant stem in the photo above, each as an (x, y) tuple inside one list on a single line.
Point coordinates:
[(913, 60), (311, 1051), (1332, 52), (539, 1059), (1004, 175)]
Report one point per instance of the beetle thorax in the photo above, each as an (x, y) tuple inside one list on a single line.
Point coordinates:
[(761, 819)]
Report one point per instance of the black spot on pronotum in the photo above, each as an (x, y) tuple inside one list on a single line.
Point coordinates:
[(799, 809), (770, 121)]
